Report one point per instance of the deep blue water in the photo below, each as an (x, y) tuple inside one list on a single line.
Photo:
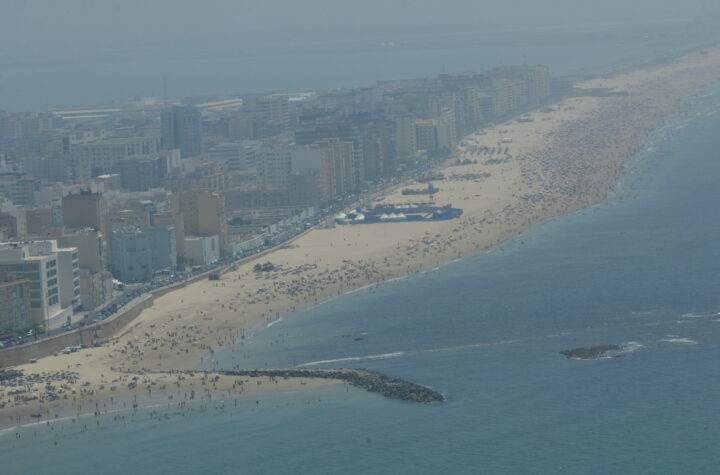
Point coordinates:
[(486, 331)]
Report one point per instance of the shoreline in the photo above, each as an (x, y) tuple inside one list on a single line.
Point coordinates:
[(560, 162)]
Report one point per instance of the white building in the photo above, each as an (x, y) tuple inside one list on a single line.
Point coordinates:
[(433, 135), (68, 277), (273, 164), (405, 144), (52, 273), (201, 250), (235, 156)]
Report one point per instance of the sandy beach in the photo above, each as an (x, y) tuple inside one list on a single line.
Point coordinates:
[(556, 160)]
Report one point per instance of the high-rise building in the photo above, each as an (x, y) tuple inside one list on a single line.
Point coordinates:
[(39, 221), (273, 165), (131, 256), (101, 157), (203, 215), (182, 129), (141, 175), (90, 246), (137, 254), (68, 276), (52, 273), (323, 170), (14, 304), (95, 281), (234, 156), (405, 145), (18, 187), (275, 108), (84, 209), (177, 221), (432, 135), (201, 251), (344, 131)]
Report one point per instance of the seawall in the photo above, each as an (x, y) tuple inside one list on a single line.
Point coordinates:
[(87, 335)]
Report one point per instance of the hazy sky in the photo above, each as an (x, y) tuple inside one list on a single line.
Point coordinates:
[(75, 28), (61, 52)]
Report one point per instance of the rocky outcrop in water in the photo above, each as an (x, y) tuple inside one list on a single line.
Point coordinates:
[(362, 378), (594, 352)]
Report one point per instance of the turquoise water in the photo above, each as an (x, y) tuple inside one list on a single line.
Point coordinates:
[(486, 331)]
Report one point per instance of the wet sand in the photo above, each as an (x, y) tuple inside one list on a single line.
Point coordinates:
[(564, 158)]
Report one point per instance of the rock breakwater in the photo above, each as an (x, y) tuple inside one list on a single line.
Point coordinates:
[(371, 381)]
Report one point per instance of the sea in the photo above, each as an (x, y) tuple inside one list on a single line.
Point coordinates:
[(641, 269)]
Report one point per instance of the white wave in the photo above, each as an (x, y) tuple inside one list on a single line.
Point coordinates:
[(278, 320), (632, 346), (473, 345), (428, 350), (694, 315), (354, 358), (360, 289), (683, 341)]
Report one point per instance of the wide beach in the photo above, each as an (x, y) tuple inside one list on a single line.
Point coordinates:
[(560, 159)]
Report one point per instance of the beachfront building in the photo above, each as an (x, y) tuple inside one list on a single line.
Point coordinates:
[(405, 142), (49, 271), (138, 254), (177, 221), (14, 304), (201, 250), (95, 281), (433, 135), (203, 214), (322, 171), (68, 276)]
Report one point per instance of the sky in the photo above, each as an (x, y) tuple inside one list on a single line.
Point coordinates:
[(77, 30)]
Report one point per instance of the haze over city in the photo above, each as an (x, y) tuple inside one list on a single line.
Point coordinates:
[(399, 236)]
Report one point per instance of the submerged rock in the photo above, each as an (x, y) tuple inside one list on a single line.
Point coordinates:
[(594, 352)]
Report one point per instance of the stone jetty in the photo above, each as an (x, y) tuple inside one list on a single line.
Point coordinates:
[(371, 381)]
